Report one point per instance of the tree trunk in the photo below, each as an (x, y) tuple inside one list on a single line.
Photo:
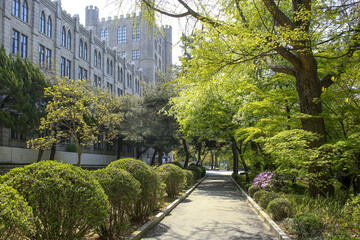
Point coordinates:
[(212, 160), (161, 154), (139, 153), (41, 152), (119, 147), (187, 153), (199, 146), (216, 161), (53, 151), (153, 158), (79, 159), (236, 159)]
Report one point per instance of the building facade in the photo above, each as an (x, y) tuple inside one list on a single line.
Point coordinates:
[(45, 34)]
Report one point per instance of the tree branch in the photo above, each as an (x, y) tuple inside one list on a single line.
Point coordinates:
[(326, 81), (278, 15), (285, 53), (280, 68)]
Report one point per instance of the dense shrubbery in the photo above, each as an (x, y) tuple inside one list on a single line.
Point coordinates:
[(150, 183), (203, 171), (308, 225), (67, 201), (352, 212), (16, 217), (173, 177), (189, 177), (196, 171), (123, 191), (258, 195), (280, 208), (266, 198), (253, 189), (177, 164)]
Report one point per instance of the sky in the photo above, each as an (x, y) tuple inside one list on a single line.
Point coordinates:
[(107, 9)]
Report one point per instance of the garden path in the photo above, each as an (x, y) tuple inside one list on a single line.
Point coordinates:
[(215, 210)]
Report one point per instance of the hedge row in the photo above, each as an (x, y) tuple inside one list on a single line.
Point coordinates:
[(51, 200)]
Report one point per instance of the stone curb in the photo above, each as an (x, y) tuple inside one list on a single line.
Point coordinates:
[(147, 226), (280, 234)]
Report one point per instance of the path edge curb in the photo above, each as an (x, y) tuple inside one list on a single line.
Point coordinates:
[(280, 234), (160, 216)]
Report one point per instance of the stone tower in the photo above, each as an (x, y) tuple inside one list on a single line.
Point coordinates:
[(91, 16)]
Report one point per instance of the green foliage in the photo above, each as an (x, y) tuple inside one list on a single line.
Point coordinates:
[(67, 201), (190, 179), (308, 225), (352, 212), (266, 198), (16, 217), (123, 192), (150, 184), (70, 147), (253, 189), (203, 171), (79, 112), (258, 195), (241, 180), (177, 164), (339, 235), (196, 171), (22, 94), (173, 177), (280, 208)]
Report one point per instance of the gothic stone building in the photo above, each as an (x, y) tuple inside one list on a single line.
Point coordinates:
[(109, 53)]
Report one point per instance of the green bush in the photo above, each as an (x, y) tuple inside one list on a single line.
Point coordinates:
[(67, 200), (16, 217), (196, 171), (177, 164), (258, 195), (189, 177), (253, 189), (338, 235), (71, 147), (151, 188), (203, 171), (266, 198), (308, 225), (298, 188), (123, 192), (173, 177), (280, 208), (352, 212)]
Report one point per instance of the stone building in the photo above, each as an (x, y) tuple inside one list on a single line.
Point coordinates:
[(42, 32)]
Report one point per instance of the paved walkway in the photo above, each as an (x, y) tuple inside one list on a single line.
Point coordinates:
[(215, 210)]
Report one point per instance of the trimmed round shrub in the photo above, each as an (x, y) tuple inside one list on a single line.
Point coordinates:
[(258, 195), (67, 201), (123, 191), (280, 208), (196, 171), (203, 171), (150, 184), (16, 217), (308, 225), (253, 189), (189, 177), (173, 177), (266, 198), (177, 164)]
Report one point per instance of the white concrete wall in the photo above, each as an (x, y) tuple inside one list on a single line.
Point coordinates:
[(12, 155)]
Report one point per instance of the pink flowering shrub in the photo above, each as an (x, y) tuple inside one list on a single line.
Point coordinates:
[(265, 179)]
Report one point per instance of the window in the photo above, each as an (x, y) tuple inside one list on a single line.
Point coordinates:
[(136, 54), (23, 43), (97, 81), (68, 42), (121, 35), (16, 8), (82, 73), (102, 35), (85, 51), (42, 22), (111, 88), (24, 12), (68, 68), (81, 49), (123, 54), (118, 74), (121, 75), (136, 33), (14, 134), (99, 61), (95, 58), (106, 35), (127, 80), (62, 65), (63, 36), (119, 92), (48, 58), (49, 27), (15, 42), (111, 68), (41, 55), (107, 66)]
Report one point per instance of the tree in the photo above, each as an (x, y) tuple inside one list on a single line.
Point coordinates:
[(79, 113), (21, 94)]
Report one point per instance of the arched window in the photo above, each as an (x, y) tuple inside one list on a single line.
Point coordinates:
[(99, 60), (63, 36), (121, 75), (68, 43), (85, 51), (118, 73), (123, 35), (95, 58), (106, 35), (24, 11), (111, 68), (42, 22), (49, 27), (81, 48), (107, 66), (16, 8)]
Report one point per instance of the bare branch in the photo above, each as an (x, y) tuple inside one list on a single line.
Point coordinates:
[(280, 68)]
